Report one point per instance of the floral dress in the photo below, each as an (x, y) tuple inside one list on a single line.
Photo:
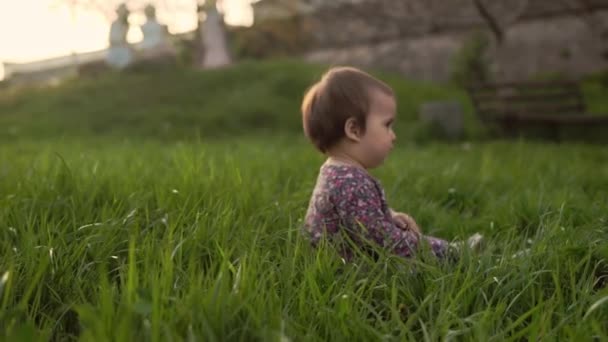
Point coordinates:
[(348, 200)]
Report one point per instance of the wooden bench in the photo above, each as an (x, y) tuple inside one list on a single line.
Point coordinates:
[(513, 106)]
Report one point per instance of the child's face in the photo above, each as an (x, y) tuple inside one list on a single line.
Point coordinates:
[(377, 142)]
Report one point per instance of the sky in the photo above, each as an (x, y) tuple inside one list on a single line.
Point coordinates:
[(37, 29)]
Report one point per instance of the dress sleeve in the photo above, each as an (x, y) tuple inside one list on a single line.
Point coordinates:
[(359, 204)]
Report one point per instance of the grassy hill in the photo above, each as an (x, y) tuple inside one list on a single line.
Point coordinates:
[(251, 97), (182, 104)]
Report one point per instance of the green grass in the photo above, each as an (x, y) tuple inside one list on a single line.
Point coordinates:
[(184, 104), (111, 230), (257, 98), (130, 241)]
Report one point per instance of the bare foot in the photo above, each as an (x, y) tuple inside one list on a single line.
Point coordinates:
[(474, 243)]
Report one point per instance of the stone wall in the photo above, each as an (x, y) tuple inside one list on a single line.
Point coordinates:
[(420, 38), (564, 45)]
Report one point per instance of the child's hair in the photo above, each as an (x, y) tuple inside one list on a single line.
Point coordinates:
[(342, 92)]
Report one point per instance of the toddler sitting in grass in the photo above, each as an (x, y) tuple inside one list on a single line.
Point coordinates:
[(348, 116)]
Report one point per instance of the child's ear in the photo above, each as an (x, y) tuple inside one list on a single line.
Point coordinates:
[(352, 130)]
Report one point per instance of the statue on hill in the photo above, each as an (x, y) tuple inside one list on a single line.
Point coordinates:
[(156, 42), (120, 54), (214, 39)]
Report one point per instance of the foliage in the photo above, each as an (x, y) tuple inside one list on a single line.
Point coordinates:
[(170, 104), (470, 64)]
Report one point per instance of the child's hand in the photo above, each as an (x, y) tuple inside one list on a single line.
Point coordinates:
[(405, 222)]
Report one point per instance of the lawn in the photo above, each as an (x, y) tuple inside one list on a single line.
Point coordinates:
[(115, 228)]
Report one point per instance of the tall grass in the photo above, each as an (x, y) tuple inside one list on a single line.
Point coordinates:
[(121, 219), (122, 240)]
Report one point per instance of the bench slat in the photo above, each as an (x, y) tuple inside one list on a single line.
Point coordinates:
[(528, 85), (559, 119), (538, 108), (555, 96)]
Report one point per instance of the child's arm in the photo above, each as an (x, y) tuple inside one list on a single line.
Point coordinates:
[(360, 206)]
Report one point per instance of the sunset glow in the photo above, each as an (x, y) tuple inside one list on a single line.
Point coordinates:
[(37, 29)]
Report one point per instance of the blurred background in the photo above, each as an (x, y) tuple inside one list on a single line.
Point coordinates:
[(154, 175), (176, 69)]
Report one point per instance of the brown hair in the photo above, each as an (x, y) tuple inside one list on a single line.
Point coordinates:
[(342, 93)]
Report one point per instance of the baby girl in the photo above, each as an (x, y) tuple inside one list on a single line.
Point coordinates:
[(348, 116)]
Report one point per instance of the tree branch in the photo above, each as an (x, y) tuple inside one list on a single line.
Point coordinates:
[(490, 20)]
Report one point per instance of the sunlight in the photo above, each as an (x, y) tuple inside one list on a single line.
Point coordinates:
[(46, 29)]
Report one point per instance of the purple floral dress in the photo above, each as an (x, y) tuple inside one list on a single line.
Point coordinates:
[(346, 199)]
